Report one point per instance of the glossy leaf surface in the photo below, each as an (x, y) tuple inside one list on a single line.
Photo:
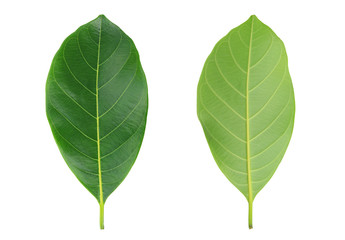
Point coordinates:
[(96, 103), (246, 105)]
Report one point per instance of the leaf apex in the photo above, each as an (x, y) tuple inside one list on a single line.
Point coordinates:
[(253, 17), (102, 16)]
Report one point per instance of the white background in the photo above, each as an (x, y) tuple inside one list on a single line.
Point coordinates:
[(175, 189)]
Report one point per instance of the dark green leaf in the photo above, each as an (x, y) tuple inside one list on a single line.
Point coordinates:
[(96, 103), (246, 106)]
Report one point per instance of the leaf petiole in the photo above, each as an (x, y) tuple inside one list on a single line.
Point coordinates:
[(250, 214), (101, 215)]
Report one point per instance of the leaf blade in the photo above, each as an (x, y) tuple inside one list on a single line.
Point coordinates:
[(88, 119), (246, 105)]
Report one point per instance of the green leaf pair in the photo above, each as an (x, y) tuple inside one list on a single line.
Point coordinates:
[(97, 102)]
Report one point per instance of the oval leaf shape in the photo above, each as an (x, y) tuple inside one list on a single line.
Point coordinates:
[(96, 104), (246, 106)]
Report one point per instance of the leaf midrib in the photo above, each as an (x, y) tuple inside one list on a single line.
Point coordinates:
[(250, 192), (97, 120)]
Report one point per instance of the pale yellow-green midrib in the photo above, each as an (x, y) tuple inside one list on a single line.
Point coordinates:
[(250, 193), (101, 203)]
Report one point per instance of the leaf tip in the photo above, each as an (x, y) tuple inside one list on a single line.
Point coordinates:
[(253, 17), (254, 20), (102, 16)]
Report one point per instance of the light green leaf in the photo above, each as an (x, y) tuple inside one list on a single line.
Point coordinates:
[(96, 103), (246, 106)]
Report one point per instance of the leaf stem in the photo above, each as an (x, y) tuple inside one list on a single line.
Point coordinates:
[(101, 215), (250, 215)]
